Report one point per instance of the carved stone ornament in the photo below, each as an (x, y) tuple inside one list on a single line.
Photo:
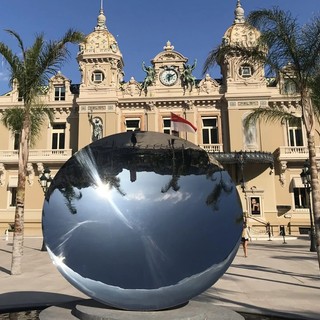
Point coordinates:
[(30, 173), (2, 174), (132, 87), (283, 168), (208, 85)]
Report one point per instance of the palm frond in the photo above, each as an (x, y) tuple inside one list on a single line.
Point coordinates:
[(269, 114), (311, 41), (39, 115), (54, 53), (13, 119), (19, 40), (315, 94)]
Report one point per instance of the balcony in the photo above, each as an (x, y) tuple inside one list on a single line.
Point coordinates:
[(294, 153), (212, 147), (37, 155)]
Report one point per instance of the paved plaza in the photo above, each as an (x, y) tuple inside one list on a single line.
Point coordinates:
[(275, 279)]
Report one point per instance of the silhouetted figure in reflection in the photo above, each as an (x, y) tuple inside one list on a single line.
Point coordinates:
[(245, 238), (133, 139)]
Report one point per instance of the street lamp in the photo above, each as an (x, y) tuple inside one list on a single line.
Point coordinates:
[(306, 180), (241, 158), (45, 182)]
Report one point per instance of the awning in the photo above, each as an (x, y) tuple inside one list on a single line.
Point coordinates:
[(13, 182), (247, 156)]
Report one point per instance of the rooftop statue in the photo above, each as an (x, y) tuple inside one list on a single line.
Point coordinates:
[(188, 80), (148, 80)]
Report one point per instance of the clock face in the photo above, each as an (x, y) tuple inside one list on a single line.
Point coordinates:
[(168, 77)]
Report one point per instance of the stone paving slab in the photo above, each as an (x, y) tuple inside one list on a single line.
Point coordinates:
[(275, 279)]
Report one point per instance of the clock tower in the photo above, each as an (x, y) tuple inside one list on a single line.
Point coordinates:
[(101, 66), (236, 72), (100, 61)]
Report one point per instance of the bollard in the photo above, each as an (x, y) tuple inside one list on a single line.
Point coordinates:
[(283, 234)]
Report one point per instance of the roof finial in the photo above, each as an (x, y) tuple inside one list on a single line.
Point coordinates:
[(101, 25), (168, 46), (239, 13)]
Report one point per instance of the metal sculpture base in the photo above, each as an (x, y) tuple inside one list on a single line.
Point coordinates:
[(90, 309)]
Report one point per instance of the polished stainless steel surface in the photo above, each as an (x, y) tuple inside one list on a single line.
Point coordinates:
[(142, 221)]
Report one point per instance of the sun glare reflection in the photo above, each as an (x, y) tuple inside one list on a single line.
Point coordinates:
[(59, 260), (103, 190)]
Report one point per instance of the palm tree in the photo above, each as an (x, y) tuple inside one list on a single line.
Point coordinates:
[(31, 69), (283, 42)]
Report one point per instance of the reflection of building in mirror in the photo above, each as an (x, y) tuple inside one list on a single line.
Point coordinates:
[(255, 205)]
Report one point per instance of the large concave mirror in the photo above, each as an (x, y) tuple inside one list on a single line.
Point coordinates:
[(142, 221)]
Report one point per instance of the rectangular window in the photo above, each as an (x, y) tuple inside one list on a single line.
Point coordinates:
[(210, 131), (295, 134), (12, 196), (166, 125), (300, 198), (289, 87), (97, 77), (246, 71), (20, 98), (58, 135), (132, 124), (59, 93)]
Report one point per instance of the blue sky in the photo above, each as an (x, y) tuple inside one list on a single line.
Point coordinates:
[(141, 27)]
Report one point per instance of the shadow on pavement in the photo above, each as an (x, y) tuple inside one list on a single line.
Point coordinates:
[(260, 313), (32, 300)]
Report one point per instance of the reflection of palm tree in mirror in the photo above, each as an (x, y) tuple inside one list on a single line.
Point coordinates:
[(71, 194), (113, 182), (222, 185), (173, 183)]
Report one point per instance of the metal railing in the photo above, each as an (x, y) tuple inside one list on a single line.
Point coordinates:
[(212, 147)]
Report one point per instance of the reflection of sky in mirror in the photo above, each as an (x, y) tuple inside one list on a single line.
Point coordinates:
[(150, 238), (148, 233), (143, 236)]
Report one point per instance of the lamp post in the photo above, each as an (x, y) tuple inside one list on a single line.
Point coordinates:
[(45, 182), (306, 180), (241, 158)]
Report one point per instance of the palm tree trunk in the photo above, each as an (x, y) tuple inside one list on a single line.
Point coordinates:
[(315, 191), (309, 121), (18, 236)]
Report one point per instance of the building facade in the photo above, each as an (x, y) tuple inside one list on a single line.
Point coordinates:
[(265, 160)]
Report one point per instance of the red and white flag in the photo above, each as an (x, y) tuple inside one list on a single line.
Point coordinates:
[(180, 124)]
